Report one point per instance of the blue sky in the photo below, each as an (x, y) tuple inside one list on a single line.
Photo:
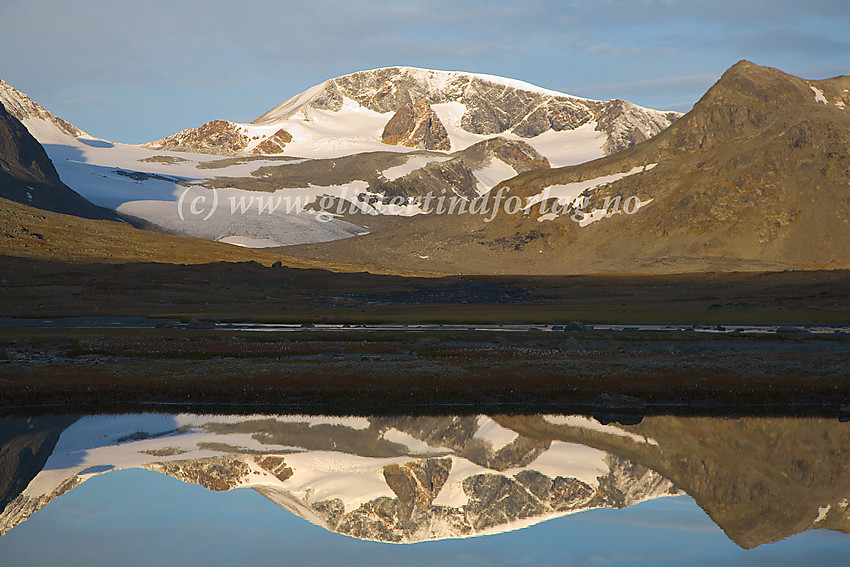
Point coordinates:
[(138, 71)]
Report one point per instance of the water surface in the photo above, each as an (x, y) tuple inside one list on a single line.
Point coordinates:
[(448, 490)]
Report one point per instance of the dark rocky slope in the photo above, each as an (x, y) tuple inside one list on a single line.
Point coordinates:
[(27, 175)]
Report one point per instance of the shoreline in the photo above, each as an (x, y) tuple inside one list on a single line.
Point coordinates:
[(351, 372), (732, 411), (173, 352)]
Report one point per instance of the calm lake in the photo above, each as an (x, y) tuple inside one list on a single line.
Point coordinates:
[(185, 489)]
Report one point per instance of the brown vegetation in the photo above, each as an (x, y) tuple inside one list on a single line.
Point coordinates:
[(361, 372), (33, 233)]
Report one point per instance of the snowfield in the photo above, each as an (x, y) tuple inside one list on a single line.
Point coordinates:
[(149, 183)]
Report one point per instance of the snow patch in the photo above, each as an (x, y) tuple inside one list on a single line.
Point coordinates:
[(492, 174), (327, 134), (452, 493), (324, 475), (569, 147), (495, 434), (412, 164), (248, 242), (818, 95), (822, 512), (408, 209), (416, 446), (568, 193), (581, 422), (285, 109), (570, 460), (599, 214)]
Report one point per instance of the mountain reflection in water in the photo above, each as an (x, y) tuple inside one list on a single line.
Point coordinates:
[(411, 479)]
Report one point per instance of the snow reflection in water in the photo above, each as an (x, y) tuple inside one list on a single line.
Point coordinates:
[(410, 479)]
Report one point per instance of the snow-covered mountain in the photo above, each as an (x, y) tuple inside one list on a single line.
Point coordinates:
[(371, 142), (386, 479), (352, 113), (753, 178), (148, 184)]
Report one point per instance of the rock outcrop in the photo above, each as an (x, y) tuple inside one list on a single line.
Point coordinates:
[(214, 473), (274, 144), (222, 137), (416, 126), (520, 155), (628, 124), (418, 482), (216, 137)]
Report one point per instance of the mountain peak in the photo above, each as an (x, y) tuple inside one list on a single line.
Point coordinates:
[(745, 65), (481, 105), (440, 110), (387, 89), (23, 108), (750, 83), (28, 176), (749, 97), (447, 75)]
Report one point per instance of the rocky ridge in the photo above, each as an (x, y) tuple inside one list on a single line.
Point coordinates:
[(492, 105), (222, 137), (22, 107), (488, 105), (27, 175), (215, 137)]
